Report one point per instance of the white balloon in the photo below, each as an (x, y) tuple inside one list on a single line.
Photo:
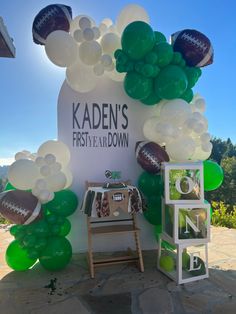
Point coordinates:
[(106, 60), (56, 182), (40, 161), (103, 28), (40, 184), (150, 131), (112, 29), (44, 196), (110, 42), (61, 48), (23, 173), (20, 155), (205, 137), (207, 147), (88, 34), (90, 52), (74, 24), (181, 149), (131, 13), (96, 32), (78, 35), (85, 22), (98, 69), (81, 78), (200, 105), (45, 171), (58, 149), (55, 168), (199, 154), (33, 156), (50, 159), (36, 191), (111, 67), (176, 111), (107, 21)]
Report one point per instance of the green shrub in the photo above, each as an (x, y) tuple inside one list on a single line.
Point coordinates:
[(223, 216)]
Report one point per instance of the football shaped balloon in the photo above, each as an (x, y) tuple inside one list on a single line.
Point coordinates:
[(20, 207), (51, 18), (194, 46), (150, 155)]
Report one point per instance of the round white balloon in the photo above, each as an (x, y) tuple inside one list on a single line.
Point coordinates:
[(90, 52), (23, 173), (110, 42), (131, 13), (75, 23), (81, 78), (58, 149), (56, 182), (61, 48), (181, 149), (176, 111)]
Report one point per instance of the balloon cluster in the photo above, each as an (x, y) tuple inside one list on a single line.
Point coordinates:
[(84, 48), (44, 173), (182, 128), (154, 70), (44, 239)]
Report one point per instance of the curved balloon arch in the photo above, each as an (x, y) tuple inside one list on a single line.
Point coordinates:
[(154, 72)]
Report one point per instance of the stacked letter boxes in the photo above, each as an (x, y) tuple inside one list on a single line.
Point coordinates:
[(182, 253)]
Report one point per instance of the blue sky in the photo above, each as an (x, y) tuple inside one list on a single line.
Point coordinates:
[(30, 84)]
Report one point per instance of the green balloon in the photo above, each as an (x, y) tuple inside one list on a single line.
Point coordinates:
[(32, 253), (17, 258), (193, 75), (151, 100), (55, 229), (65, 203), (167, 263), (150, 184), (15, 229), (137, 40), (39, 228), (213, 175), (137, 86), (29, 241), (57, 254), (40, 244), (164, 53), (65, 228), (177, 58), (9, 187), (187, 95), (153, 214), (159, 37), (171, 83)]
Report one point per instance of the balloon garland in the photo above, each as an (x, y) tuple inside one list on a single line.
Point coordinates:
[(157, 73)]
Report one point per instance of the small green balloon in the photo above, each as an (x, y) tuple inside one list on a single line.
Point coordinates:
[(171, 82), (177, 58), (65, 228), (33, 253), (167, 263), (17, 258), (192, 75), (150, 184), (151, 58), (213, 175), (164, 53), (151, 100), (40, 228), (57, 254), (29, 241), (137, 40), (40, 244), (187, 95), (55, 229), (137, 86), (159, 37), (65, 203), (14, 229)]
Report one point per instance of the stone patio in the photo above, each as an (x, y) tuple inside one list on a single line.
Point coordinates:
[(121, 288)]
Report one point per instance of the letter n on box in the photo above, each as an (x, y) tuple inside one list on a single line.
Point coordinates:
[(183, 183)]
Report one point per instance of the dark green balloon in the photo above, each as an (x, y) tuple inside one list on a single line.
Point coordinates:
[(14, 229), (151, 100), (137, 40), (213, 175), (159, 37), (171, 82), (65, 228), (137, 86), (57, 254), (17, 258), (40, 244), (65, 203), (29, 241), (187, 95), (153, 212), (40, 228), (193, 75), (150, 184), (177, 58), (164, 53)]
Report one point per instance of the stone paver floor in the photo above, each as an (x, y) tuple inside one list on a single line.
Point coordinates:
[(121, 289)]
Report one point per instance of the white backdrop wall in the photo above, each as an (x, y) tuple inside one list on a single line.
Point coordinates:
[(101, 129)]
